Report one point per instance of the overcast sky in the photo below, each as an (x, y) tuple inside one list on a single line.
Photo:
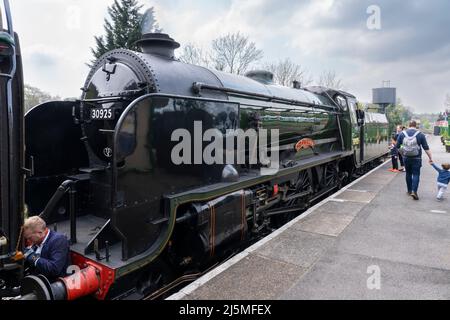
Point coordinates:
[(411, 48)]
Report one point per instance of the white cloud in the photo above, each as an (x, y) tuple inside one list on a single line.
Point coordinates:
[(411, 49), (55, 38)]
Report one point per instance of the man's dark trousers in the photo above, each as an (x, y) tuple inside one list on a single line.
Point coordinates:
[(412, 168)]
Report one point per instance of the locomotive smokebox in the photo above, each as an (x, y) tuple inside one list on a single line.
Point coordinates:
[(158, 43)]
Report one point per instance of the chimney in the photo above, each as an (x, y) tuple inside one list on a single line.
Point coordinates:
[(159, 44)]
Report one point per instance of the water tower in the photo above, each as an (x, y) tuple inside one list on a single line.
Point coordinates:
[(384, 96)]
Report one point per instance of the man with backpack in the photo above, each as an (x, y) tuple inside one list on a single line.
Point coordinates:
[(410, 143)]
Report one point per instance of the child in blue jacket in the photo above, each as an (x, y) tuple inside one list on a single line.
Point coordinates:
[(443, 179)]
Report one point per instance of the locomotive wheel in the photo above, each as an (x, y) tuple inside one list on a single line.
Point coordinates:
[(345, 177), (304, 183), (330, 176)]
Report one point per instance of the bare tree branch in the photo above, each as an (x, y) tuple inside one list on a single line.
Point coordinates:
[(286, 72), (34, 96), (193, 54), (329, 79), (234, 53)]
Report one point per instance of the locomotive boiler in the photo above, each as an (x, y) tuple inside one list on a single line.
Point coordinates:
[(101, 169)]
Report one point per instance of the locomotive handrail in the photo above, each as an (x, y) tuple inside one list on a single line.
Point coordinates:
[(8, 17), (10, 205), (105, 99), (198, 86), (338, 120), (290, 110), (6, 75)]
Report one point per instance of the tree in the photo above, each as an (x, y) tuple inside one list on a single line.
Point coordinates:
[(426, 123), (427, 120), (286, 72), (447, 100), (329, 79), (398, 114), (34, 96), (149, 23), (234, 53), (124, 27), (196, 55)]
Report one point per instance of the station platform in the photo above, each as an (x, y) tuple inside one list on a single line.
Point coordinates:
[(370, 240)]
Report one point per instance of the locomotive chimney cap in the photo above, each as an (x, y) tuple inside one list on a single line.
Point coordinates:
[(158, 43), (156, 39)]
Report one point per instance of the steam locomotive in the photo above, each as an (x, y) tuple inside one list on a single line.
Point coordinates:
[(101, 170)]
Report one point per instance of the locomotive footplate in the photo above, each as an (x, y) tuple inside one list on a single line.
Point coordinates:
[(88, 229), (253, 177)]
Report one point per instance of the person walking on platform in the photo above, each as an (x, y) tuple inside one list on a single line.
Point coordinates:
[(400, 128), (394, 154), (410, 143), (442, 180)]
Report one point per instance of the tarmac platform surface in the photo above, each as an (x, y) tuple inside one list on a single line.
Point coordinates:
[(370, 240)]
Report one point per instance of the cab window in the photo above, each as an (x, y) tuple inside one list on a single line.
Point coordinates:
[(352, 106)]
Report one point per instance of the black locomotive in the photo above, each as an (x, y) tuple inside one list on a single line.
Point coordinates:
[(101, 169)]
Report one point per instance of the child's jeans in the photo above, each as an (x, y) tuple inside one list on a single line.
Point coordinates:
[(442, 187)]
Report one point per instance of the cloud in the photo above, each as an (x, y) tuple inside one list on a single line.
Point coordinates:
[(408, 28), (55, 38), (412, 48), (43, 59)]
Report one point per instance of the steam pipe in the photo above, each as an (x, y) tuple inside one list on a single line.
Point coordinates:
[(57, 196), (73, 216)]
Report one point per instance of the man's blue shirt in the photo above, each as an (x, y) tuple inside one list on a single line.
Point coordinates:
[(421, 141)]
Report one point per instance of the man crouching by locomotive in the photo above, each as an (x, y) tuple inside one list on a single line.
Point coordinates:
[(47, 252)]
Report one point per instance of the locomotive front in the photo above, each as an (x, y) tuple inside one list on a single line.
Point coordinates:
[(116, 79)]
